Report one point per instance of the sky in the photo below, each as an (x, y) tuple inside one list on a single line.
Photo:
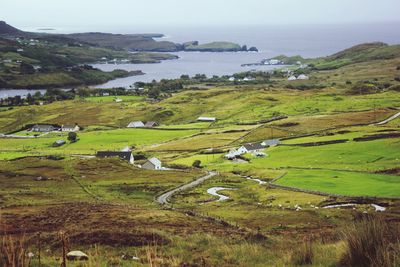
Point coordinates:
[(163, 13)]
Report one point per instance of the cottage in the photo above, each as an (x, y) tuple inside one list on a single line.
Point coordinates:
[(271, 142), (123, 155), (106, 94), (118, 100), (152, 164), (43, 128), (151, 124), (250, 148), (247, 79), (292, 78), (206, 119), (136, 124), (303, 77), (70, 128), (231, 79)]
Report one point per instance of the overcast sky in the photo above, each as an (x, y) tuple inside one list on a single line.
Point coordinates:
[(71, 13)]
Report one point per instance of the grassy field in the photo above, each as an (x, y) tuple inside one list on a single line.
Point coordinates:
[(108, 207), (89, 142)]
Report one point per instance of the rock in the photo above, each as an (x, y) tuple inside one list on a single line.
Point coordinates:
[(77, 255), (253, 49), (128, 257)]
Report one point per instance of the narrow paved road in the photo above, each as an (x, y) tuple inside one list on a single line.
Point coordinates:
[(163, 199), (389, 119)]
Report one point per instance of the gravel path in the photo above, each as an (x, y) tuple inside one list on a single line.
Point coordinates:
[(163, 199)]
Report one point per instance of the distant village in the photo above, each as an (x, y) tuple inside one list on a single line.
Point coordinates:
[(153, 163)]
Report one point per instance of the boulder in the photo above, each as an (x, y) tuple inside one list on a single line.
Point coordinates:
[(77, 256)]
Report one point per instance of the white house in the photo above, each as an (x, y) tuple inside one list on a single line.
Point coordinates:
[(303, 77), (20, 50), (292, 78), (152, 164), (70, 128), (136, 124), (246, 79), (106, 94), (250, 148), (118, 100), (231, 79), (207, 119)]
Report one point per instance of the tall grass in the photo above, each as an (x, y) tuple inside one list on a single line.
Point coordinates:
[(372, 242), (13, 251), (304, 254)]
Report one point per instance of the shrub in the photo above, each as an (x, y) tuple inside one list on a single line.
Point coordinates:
[(196, 163), (372, 242)]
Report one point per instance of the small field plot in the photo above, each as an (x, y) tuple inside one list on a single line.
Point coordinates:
[(343, 182), (198, 142), (104, 99)]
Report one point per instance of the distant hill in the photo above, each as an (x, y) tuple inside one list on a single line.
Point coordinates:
[(356, 54), (6, 29), (129, 42)]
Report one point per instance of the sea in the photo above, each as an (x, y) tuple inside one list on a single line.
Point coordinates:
[(306, 40)]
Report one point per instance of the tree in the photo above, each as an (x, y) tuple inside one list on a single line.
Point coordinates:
[(72, 136), (196, 163), (154, 92)]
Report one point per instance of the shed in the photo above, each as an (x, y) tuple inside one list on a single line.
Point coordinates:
[(151, 124), (152, 164), (123, 155), (206, 119)]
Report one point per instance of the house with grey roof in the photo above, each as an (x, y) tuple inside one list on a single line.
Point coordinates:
[(43, 128)]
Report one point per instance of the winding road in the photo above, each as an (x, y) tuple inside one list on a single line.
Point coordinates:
[(163, 199)]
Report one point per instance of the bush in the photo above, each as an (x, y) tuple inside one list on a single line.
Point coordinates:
[(372, 242), (196, 163)]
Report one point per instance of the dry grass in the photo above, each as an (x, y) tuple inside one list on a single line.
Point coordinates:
[(13, 251), (372, 242), (304, 254)]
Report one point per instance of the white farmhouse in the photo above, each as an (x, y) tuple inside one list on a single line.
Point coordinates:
[(70, 128), (292, 78), (136, 124), (303, 77)]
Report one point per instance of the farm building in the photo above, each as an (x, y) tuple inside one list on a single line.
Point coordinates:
[(118, 100), (151, 124), (70, 128), (292, 78), (43, 128), (127, 156), (271, 142), (206, 119), (152, 164), (136, 124)]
